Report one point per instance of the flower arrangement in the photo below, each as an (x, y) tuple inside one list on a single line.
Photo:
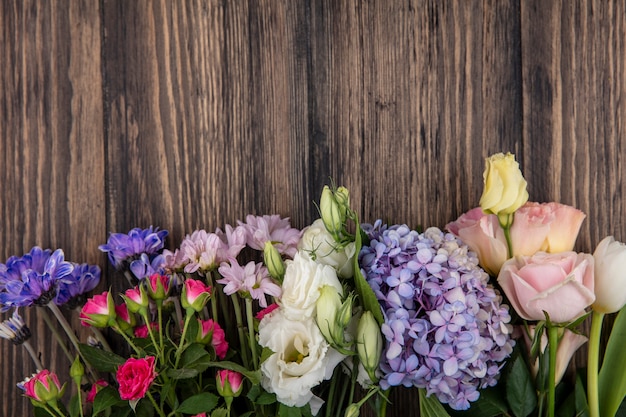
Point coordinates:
[(266, 319)]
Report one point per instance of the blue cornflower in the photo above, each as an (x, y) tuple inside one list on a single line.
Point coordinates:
[(32, 279), (122, 248), (445, 327), (14, 329), (147, 265), (73, 287)]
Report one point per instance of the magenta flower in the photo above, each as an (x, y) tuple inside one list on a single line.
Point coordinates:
[(267, 310), (95, 388), (142, 331), (98, 311), (136, 299), (135, 377), (261, 229), (228, 383), (195, 294), (44, 387), (211, 332), (158, 286)]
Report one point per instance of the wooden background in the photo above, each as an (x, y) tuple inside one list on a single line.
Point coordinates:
[(191, 114)]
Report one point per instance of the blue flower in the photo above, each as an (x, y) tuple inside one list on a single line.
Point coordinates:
[(32, 279), (147, 265), (14, 329), (445, 327), (73, 287), (122, 248)]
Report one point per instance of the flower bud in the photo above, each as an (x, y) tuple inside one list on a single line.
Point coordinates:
[(136, 299), (344, 316), (229, 383), (125, 320), (44, 387), (610, 280), (77, 370), (328, 304), (369, 343), (505, 187), (99, 311), (158, 286), (342, 195), (273, 261), (353, 410), (331, 212), (195, 295)]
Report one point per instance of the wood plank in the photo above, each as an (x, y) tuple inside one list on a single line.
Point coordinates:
[(52, 153), (573, 56)]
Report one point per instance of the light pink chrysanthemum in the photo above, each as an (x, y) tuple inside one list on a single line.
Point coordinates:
[(260, 229), (252, 279)]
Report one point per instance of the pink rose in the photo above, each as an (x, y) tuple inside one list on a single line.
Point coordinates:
[(98, 311), (142, 332), (483, 234), (136, 299), (135, 376), (228, 383), (560, 284), (44, 387), (211, 332), (195, 294), (158, 286), (95, 388), (548, 227)]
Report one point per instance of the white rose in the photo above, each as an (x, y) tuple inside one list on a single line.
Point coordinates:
[(301, 360), (301, 286), (322, 246)]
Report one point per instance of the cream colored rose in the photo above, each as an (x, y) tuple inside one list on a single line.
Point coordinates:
[(301, 360), (321, 247), (301, 286), (505, 187)]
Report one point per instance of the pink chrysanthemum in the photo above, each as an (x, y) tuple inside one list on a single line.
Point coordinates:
[(261, 229)]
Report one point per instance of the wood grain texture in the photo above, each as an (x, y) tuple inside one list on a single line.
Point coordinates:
[(192, 114), (51, 125)]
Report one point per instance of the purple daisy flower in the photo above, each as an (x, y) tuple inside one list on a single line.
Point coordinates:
[(445, 327), (73, 287), (122, 248)]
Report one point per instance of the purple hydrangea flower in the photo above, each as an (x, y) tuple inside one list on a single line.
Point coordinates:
[(445, 327), (122, 248)]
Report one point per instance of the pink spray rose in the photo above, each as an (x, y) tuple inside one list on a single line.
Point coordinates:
[(195, 294), (560, 284), (98, 311), (44, 387), (135, 376), (95, 388), (228, 383), (211, 332), (158, 286), (142, 331)]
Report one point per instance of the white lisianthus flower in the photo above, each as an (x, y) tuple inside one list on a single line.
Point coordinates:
[(321, 246), (301, 286), (301, 360)]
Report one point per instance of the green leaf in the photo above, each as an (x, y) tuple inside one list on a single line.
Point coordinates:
[(253, 376), (490, 404), (74, 406), (192, 331), (430, 406), (102, 360), (183, 373), (199, 403), (370, 302), (106, 397), (266, 398), (582, 407), (612, 378), (520, 392), (144, 409), (220, 412), (286, 411)]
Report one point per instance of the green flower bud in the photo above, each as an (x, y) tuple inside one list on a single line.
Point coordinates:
[(353, 410), (273, 261), (342, 195), (331, 212), (328, 304), (369, 343), (77, 370)]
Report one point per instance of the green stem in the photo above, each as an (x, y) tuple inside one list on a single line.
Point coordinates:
[(54, 408), (251, 337), (242, 344), (212, 300), (156, 406), (331, 392), (179, 350), (159, 305), (33, 355), (55, 333), (80, 401), (593, 365), (553, 339), (128, 339), (70, 333)]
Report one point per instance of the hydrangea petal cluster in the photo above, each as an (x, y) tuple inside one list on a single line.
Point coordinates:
[(123, 248), (41, 276), (445, 327), (272, 228)]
